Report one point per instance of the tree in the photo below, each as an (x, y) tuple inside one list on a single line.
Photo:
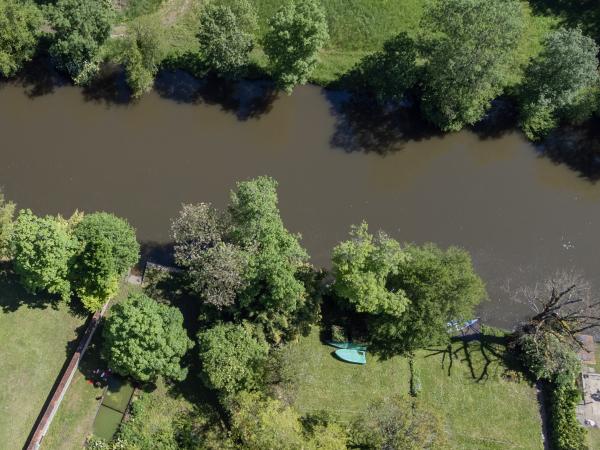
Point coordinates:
[(390, 72), (362, 267), (224, 45), (232, 357), (273, 293), (469, 48), (214, 268), (296, 34), (441, 287), (108, 250), (20, 23), (144, 339), (142, 56), (42, 249), (565, 71), (261, 423), (80, 28), (7, 213), (400, 424)]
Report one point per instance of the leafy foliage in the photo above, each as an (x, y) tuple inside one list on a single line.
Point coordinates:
[(362, 267), (549, 358), (567, 433), (145, 339), (20, 23), (80, 28), (108, 249), (142, 56), (42, 249), (564, 72), (274, 293), (259, 423), (224, 45), (7, 213), (232, 357), (441, 286), (296, 34), (398, 423), (469, 48), (390, 72)]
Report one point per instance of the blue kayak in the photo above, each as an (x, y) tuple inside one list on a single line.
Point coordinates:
[(352, 356)]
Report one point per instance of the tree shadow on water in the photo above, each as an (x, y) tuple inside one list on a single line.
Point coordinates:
[(364, 125), (109, 87), (501, 119), (246, 99), (38, 78), (578, 147)]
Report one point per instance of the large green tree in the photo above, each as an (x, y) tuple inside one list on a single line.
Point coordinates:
[(468, 47), (558, 80), (144, 339), (232, 357), (7, 213), (296, 34), (42, 249), (441, 286), (362, 267), (80, 28), (108, 249), (142, 55), (389, 72), (224, 44), (20, 22), (274, 292)]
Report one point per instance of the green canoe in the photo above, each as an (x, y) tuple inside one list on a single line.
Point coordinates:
[(347, 345), (352, 356)]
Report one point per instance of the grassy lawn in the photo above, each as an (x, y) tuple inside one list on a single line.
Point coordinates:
[(75, 417), (471, 393), (594, 438), (37, 336), (356, 27)]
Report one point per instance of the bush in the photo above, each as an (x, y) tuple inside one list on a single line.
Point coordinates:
[(338, 334), (567, 433)]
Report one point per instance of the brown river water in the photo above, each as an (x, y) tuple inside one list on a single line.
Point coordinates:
[(520, 215)]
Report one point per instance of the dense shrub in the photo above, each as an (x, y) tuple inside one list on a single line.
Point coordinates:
[(567, 433)]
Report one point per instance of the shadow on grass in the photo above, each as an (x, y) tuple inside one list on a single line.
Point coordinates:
[(245, 99), (573, 13), (13, 296), (483, 355)]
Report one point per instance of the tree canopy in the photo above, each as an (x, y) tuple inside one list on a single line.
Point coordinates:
[(144, 339), (232, 356), (42, 249), (224, 44), (108, 249), (565, 71), (441, 286), (296, 34), (20, 23), (468, 46), (399, 423), (80, 28), (362, 267), (245, 262)]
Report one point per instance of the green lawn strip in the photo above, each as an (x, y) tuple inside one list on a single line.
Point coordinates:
[(489, 414), (37, 339), (594, 438), (75, 416)]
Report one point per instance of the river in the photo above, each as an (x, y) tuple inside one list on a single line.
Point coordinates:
[(520, 215)]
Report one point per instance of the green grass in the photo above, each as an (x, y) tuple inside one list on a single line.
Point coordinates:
[(75, 416), (594, 438), (482, 410), (37, 336)]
